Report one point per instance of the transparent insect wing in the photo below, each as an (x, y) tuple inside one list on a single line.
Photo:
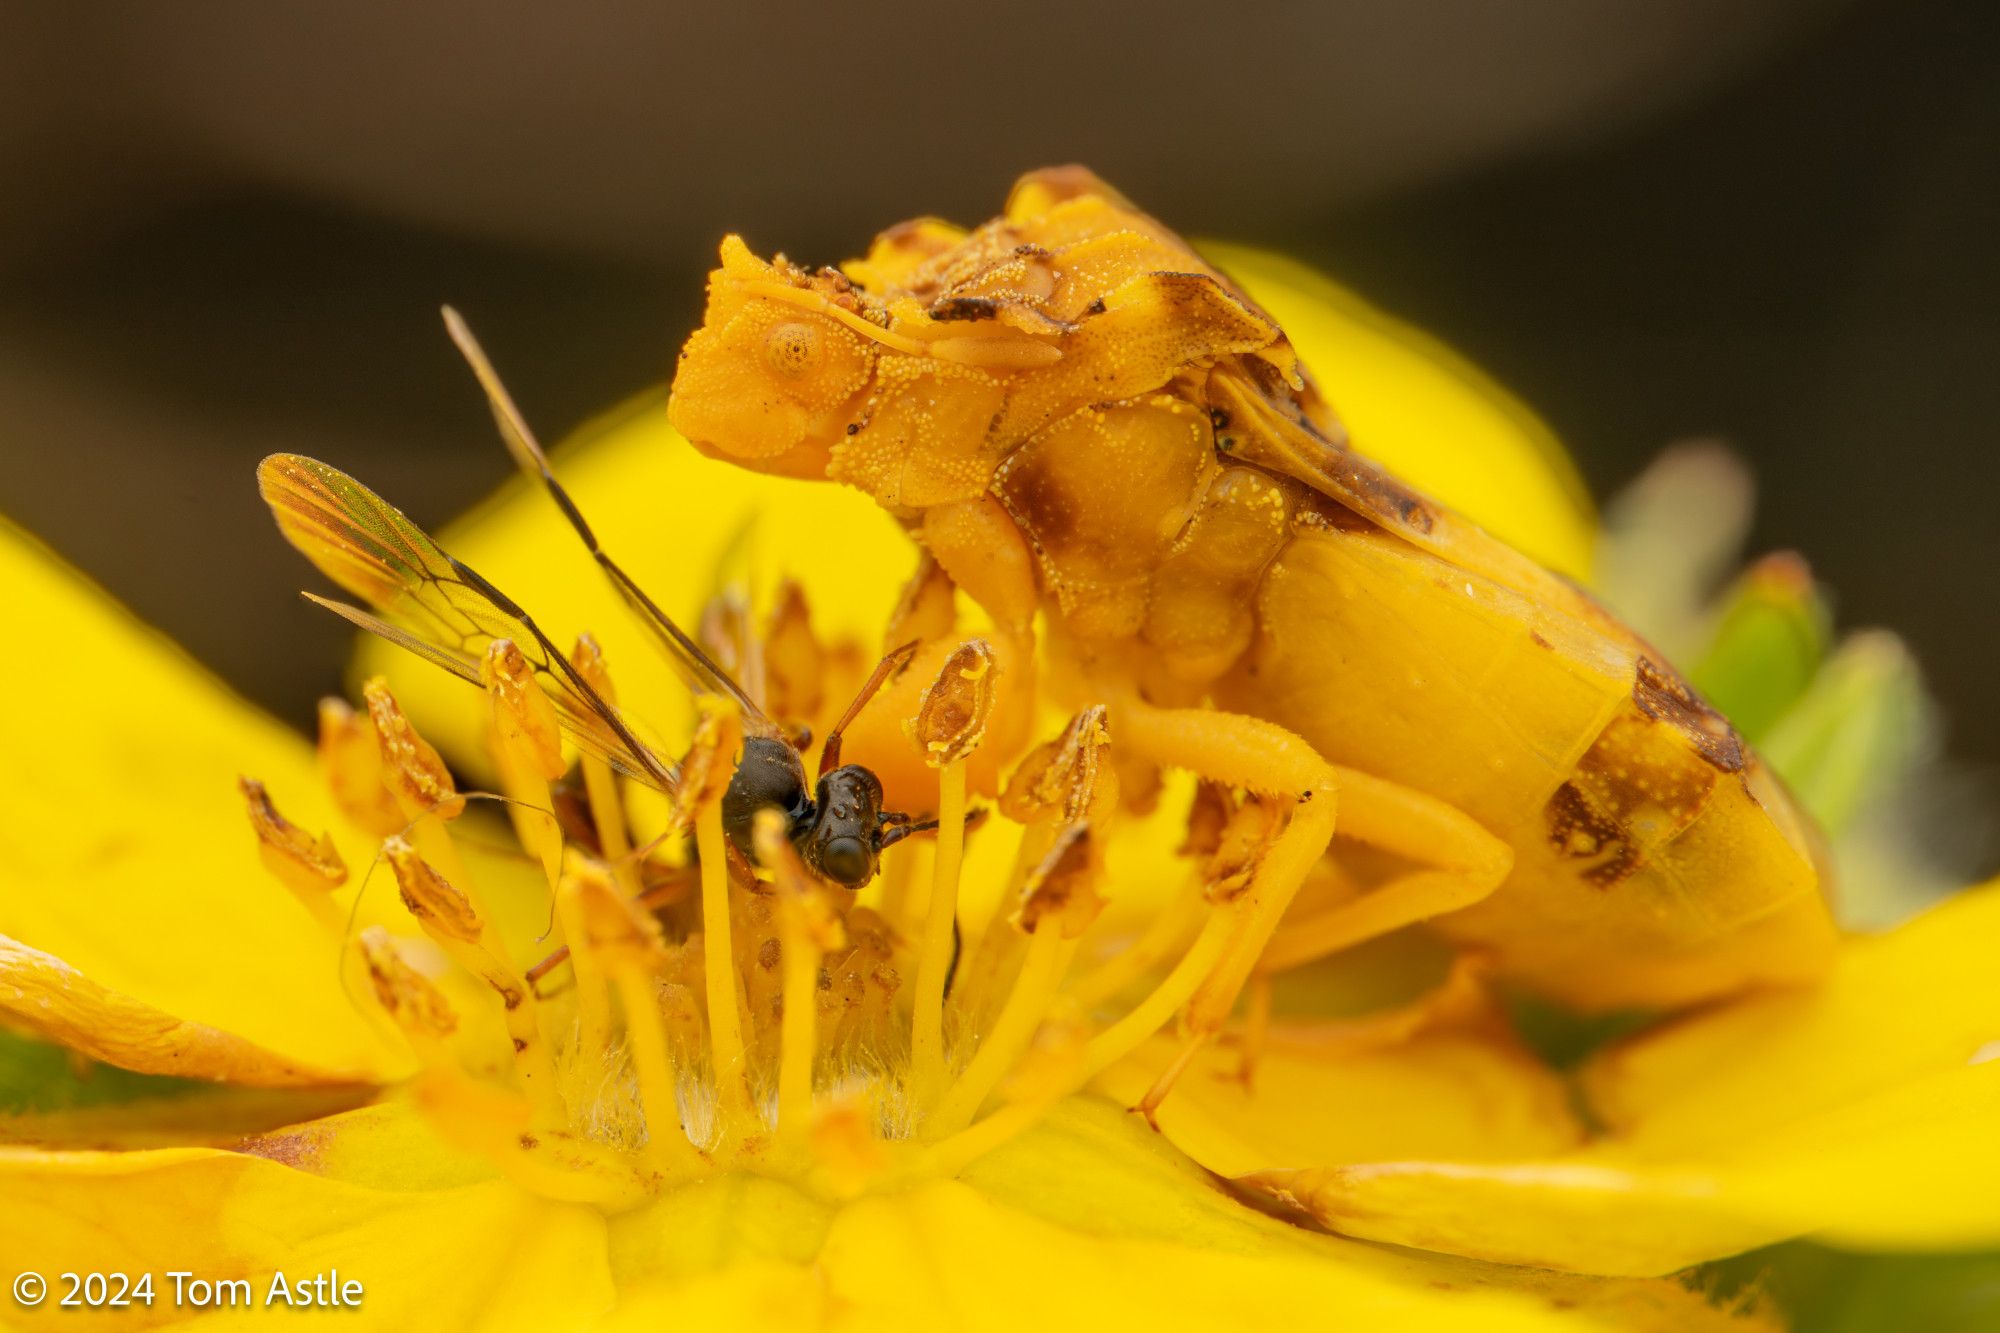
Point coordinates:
[(434, 606)]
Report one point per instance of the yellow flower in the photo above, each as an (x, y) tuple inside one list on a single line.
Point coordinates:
[(397, 1100)]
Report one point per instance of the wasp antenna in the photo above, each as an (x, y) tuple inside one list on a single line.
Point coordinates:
[(695, 666), (891, 664)]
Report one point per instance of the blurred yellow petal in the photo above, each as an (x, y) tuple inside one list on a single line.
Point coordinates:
[(1860, 1112), (1453, 1095), (476, 1257), (60, 1003), (1414, 405), (125, 851), (1920, 999), (390, 1145), (1912, 1168), (1091, 1221), (1088, 1220), (1003, 1270)]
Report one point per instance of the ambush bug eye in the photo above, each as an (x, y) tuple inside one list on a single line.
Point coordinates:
[(789, 349)]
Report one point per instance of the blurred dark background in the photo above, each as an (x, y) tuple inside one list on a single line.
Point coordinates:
[(225, 228)]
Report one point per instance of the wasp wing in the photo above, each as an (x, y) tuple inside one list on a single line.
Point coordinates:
[(432, 604)]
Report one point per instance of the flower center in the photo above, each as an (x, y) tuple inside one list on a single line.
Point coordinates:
[(711, 1010)]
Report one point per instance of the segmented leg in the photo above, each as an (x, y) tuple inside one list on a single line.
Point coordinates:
[(1264, 758), (1461, 862)]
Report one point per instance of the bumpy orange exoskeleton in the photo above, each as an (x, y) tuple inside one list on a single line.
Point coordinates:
[(1075, 414)]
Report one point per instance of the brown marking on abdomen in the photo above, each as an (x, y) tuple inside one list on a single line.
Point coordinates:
[(1664, 695), (1579, 830)]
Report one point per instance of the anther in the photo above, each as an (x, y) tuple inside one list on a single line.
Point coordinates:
[(434, 901), (411, 768), (311, 868), (795, 661), (1069, 778), (1063, 888), (447, 914), (408, 996), (951, 719), (524, 719), (526, 741), (350, 758)]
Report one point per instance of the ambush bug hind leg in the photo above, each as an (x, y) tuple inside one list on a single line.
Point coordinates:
[(1459, 863), (1236, 751)]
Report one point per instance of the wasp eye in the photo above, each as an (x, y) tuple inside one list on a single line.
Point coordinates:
[(845, 861), (789, 349)]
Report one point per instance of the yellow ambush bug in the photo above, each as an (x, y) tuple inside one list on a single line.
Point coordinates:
[(1078, 417)]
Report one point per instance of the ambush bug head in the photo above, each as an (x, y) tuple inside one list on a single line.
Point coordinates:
[(779, 365)]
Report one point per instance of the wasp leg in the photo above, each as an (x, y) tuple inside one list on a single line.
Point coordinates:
[(1261, 757), (1463, 863)]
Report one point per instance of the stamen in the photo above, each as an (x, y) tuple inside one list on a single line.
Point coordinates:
[(310, 869), (418, 1007), (527, 749), (417, 777), (1132, 1031), (808, 928), (950, 723), (718, 738), (1166, 934), (411, 769), (1036, 1087), (593, 1000), (351, 759), (600, 784), (450, 917), (1058, 906), (629, 944)]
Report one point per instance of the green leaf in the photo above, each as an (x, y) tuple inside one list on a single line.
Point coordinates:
[(36, 1076), (1766, 646)]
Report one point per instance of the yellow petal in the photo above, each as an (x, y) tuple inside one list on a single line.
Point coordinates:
[(390, 1145), (1914, 1168), (1437, 1095), (60, 1003), (1916, 1000), (478, 1256), (1430, 416), (1091, 1226), (948, 1253), (124, 850), (1860, 1112)]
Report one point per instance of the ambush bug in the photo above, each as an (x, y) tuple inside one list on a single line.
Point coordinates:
[(1077, 416)]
